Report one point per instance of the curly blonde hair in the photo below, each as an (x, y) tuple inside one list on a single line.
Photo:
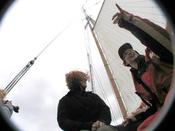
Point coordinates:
[(73, 78), (2, 94)]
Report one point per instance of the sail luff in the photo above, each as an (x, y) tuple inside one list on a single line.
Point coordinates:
[(91, 76), (109, 73)]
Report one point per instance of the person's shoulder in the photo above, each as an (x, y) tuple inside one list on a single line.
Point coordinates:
[(67, 96), (63, 98), (91, 93)]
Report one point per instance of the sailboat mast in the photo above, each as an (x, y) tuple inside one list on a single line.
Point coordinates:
[(109, 73)]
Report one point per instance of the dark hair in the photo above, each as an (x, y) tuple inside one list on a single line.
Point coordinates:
[(123, 48)]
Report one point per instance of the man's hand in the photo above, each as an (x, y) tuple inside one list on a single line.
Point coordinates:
[(119, 15), (9, 104), (130, 118), (97, 125), (125, 122)]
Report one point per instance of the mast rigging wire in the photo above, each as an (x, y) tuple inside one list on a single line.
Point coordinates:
[(14, 81), (53, 39)]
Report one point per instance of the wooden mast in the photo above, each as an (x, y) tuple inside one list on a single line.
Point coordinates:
[(109, 73)]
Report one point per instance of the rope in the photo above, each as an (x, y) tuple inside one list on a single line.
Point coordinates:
[(54, 38)]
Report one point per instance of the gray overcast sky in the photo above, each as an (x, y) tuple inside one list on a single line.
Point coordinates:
[(26, 29)]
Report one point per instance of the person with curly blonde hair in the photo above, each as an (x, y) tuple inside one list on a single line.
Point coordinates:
[(75, 78), (79, 109)]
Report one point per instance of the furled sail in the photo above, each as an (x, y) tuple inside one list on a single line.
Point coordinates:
[(111, 37)]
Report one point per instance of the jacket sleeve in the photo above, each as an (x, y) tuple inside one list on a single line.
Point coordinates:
[(66, 123), (104, 111), (151, 35), (7, 108), (143, 115)]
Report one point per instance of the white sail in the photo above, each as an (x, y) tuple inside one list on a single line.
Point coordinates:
[(24, 32), (111, 37)]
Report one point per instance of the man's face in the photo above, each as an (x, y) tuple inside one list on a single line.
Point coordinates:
[(129, 56)]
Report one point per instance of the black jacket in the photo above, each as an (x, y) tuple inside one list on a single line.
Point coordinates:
[(78, 110)]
